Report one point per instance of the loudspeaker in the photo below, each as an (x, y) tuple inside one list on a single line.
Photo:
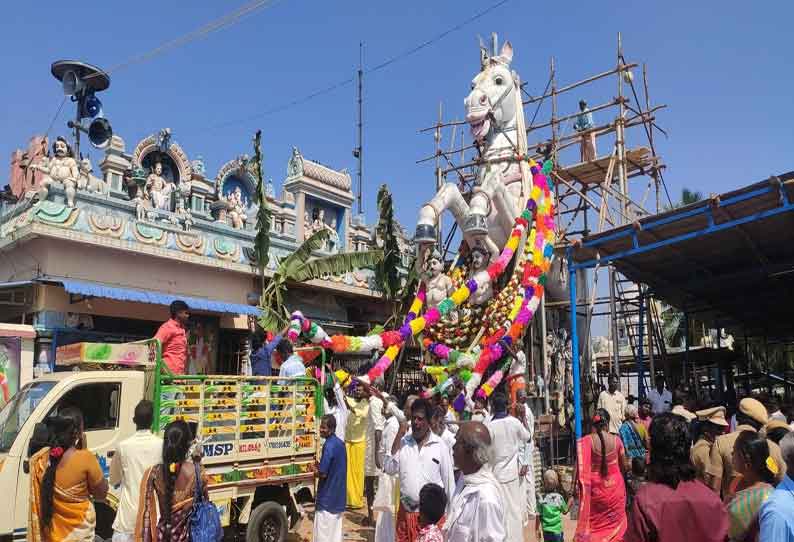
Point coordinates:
[(99, 133), (72, 84), (91, 106)]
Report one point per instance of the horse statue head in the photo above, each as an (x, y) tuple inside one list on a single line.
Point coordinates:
[(491, 104)]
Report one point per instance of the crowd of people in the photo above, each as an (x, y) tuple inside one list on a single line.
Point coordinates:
[(157, 478), (658, 471)]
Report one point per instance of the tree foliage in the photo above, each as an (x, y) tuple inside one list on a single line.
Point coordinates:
[(263, 215), (387, 272)]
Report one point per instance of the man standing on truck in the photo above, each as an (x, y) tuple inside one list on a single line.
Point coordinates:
[(332, 487), (261, 359), (173, 337), (133, 456)]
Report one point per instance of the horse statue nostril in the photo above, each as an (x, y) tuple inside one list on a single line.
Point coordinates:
[(483, 99)]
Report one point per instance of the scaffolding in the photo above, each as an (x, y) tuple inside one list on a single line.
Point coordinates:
[(594, 194)]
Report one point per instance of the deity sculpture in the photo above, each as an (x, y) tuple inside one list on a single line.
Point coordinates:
[(270, 191), (183, 215), (159, 189), (439, 286), (307, 225), (480, 258), (89, 182), (60, 168), (237, 208)]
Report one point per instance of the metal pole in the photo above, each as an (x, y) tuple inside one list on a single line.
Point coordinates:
[(577, 394), (544, 356), (640, 370), (614, 363), (686, 345), (651, 338), (360, 126)]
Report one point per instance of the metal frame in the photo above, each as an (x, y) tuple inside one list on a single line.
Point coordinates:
[(636, 249)]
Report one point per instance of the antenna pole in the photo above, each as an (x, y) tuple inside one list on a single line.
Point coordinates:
[(360, 148)]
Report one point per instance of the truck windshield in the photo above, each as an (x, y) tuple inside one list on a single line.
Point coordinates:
[(18, 410)]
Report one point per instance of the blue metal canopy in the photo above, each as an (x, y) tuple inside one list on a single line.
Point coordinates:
[(97, 289)]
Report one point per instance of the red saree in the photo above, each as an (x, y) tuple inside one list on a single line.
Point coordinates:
[(602, 500)]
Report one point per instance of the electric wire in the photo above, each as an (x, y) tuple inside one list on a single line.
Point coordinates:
[(347, 81)]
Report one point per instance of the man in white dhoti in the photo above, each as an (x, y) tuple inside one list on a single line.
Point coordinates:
[(526, 470), (385, 505), (331, 491), (476, 511), (508, 434), (373, 464)]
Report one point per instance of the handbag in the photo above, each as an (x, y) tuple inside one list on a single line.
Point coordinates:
[(205, 522)]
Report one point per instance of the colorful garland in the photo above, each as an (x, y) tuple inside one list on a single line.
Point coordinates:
[(540, 242)]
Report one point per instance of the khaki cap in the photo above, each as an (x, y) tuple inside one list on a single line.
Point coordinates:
[(715, 415), (754, 409), (777, 424), (684, 413)]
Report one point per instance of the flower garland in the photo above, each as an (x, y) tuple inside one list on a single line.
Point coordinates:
[(540, 240)]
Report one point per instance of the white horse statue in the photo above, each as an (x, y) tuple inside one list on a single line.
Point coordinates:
[(496, 117)]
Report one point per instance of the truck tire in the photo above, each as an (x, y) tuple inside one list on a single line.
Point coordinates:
[(267, 523)]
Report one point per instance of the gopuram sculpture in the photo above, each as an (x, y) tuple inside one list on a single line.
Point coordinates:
[(87, 181), (158, 189), (237, 208), (60, 168)]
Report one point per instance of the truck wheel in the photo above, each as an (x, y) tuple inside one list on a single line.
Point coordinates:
[(268, 523)]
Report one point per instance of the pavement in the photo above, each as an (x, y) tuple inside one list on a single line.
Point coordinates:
[(355, 530)]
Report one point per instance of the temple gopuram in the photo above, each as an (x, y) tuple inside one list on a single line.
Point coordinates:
[(98, 251)]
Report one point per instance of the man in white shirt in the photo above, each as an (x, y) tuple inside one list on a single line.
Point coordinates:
[(385, 504), (372, 463), (130, 461), (336, 406), (527, 457), (418, 458), (508, 435), (476, 511), (613, 401), (661, 399)]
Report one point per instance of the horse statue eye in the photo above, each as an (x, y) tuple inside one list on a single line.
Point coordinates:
[(498, 81)]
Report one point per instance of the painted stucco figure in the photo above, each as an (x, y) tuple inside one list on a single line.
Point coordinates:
[(60, 168), (159, 189)]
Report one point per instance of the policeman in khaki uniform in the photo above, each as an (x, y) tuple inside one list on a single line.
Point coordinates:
[(752, 416), (712, 423)]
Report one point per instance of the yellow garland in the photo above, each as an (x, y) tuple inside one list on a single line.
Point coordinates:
[(460, 295), (392, 351), (516, 307)]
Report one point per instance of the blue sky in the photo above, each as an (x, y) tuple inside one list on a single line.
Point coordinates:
[(724, 70)]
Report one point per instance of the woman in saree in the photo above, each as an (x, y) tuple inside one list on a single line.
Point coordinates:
[(602, 490), (750, 459), (633, 435), (64, 476), (170, 488)]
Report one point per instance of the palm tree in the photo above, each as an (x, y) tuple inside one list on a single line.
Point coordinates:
[(301, 266), (688, 197)]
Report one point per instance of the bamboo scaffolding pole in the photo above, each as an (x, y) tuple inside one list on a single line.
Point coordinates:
[(577, 191), (620, 68)]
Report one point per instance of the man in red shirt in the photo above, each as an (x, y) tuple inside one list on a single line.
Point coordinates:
[(173, 336)]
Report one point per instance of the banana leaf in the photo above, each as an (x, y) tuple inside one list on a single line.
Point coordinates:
[(302, 254), (269, 319), (337, 264)]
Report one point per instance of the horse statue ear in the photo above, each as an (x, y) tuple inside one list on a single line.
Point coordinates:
[(507, 52), (483, 58)]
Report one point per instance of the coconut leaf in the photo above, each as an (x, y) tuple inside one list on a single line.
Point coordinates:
[(302, 254), (336, 264)]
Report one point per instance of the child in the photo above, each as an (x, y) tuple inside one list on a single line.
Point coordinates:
[(432, 503), (551, 507)]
